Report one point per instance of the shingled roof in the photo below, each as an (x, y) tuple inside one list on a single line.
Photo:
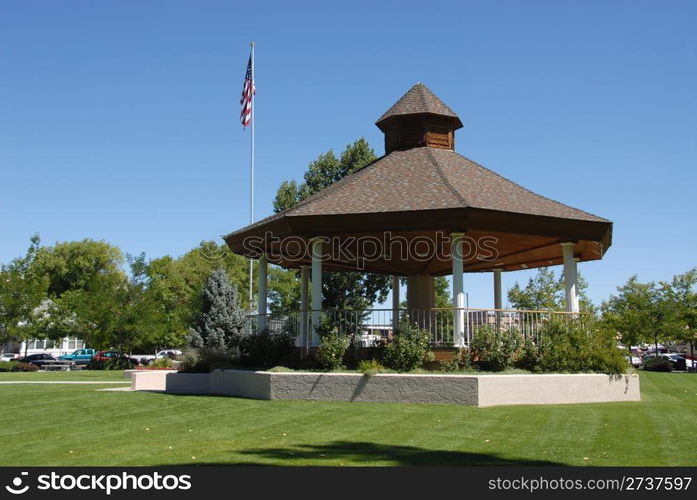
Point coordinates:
[(419, 100), (430, 179), (417, 191)]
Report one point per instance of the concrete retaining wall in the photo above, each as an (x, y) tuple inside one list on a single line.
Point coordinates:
[(170, 381), (473, 390), (556, 389)]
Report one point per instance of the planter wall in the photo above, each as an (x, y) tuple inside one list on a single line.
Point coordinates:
[(472, 390)]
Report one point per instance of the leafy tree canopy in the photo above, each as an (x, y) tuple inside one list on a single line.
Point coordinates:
[(545, 291)]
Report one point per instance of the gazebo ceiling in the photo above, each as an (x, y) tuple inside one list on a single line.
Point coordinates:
[(418, 194)]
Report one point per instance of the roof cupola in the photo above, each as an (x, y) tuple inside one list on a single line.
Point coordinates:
[(419, 119)]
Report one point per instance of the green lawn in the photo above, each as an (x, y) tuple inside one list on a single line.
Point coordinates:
[(79, 425), (57, 376)]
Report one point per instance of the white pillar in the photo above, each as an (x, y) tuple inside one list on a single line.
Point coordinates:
[(570, 277), (304, 292), (316, 288), (458, 290), (497, 289), (395, 303), (577, 294), (262, 295)]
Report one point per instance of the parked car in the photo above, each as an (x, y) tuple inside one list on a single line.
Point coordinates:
[(169, 353), (634, 360), (79, 357), (36, 359), (9, 356), (113, 356), (676, 360)]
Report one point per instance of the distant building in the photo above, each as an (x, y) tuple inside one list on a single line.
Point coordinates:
[(56, 348)]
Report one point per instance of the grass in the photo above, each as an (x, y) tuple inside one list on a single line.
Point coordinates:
[(92, 375), (79, 425)]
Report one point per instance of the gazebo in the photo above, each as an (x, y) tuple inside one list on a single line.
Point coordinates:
[(420, 211)]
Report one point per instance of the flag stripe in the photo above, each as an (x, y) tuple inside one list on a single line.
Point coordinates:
[(248, 91)]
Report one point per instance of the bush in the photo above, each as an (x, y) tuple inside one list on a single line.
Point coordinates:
[(409, 349), (658, 365), (331, 351), (206, 359), (370, 367), (280, 369), (493, 350), (6, 366), (110, 364), (572, 347), (528, 356), (162, 363), (460, 361), (24, 367), (266, 348)]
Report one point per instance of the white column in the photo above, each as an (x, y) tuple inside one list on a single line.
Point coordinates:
[(316, 288), (570, 277), (497, 289), (458, 290), (304, 293), (262, 295), (395, 303), (577, 294)]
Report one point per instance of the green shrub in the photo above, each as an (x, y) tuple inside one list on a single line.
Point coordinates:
[(6, 366), (266, 348), (24, 367), (577, 347), (658, 365), (460, 361), (162, 363), (492, 349), (206, 359), (110, 364), (370, 367), (409, 349), (528, 356), (280, 369), (331, 351)]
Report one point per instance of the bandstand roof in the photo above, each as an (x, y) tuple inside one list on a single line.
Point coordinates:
[(423, 187)]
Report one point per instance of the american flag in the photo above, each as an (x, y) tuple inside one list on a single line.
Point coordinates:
[(248, 91)]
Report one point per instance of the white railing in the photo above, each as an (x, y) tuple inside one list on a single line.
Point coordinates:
[(367, 325)]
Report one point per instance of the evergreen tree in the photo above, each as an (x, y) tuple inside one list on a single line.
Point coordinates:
[(222, 319)]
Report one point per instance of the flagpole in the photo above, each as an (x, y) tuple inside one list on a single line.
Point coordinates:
[(251, 184)]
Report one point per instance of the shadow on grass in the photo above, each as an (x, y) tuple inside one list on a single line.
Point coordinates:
[(360, 453)]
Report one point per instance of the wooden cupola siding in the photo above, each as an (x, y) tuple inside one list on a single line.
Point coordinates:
[(406, 132)]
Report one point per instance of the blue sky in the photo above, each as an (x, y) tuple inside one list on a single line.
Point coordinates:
[(119, 119)]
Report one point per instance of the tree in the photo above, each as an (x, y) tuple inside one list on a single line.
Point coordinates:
[(72, 265), (681, 295), (340, 290), (545, 291), (640, 312), (222, 320), (442, 294), (22, 290), (177, 284)]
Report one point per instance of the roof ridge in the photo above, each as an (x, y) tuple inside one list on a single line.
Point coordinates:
[(443, 177), (529, 190), (420, 90)]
